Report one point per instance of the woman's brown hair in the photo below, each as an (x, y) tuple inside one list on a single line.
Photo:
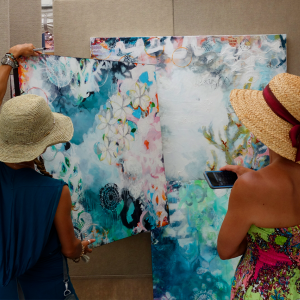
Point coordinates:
[(41, 166)]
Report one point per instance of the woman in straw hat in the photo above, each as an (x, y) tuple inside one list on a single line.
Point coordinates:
[(35, 209), (262, 222)]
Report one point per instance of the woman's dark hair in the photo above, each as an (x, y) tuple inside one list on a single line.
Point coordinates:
[(41, 166)]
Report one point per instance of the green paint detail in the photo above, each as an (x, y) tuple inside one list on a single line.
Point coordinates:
[(63, 170), (133, 130), (103, 137), (233, 144), (280, 240), (202, 206), (247, 86), (82, 63), (129, 213), (119, 120), (67, 162), (71, 187), (152, 104), (79, 187), (119, 207)]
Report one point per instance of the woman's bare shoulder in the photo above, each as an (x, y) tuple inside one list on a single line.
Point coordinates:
[(250, 188), (250, 181)]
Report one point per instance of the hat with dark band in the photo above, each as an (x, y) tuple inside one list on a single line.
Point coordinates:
[(273, 115)]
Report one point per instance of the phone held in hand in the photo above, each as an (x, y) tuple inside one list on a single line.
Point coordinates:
[(220, 179)]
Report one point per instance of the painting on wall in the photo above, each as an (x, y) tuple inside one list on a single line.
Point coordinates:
[(195, 75), (186, 264), (200, 131), (185, 261), (113, 165)]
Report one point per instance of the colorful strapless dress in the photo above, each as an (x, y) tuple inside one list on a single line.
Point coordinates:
[(270, 267)]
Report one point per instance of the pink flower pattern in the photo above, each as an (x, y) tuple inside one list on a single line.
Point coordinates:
[(270, 267)]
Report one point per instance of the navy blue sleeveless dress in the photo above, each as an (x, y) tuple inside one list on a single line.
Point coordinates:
[(30, 249)]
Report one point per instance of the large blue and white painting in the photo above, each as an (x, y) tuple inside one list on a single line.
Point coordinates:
[(195, 75), (113, 164), (200, 131)]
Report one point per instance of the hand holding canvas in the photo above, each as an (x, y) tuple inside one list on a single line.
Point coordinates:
[(17, 51)]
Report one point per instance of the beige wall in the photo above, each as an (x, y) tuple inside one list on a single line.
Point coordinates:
[(20, 22), (126, 264), (25, 22), (76, 21), (4, 31), (4, 27)]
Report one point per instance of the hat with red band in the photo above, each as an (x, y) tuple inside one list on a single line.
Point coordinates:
[(273, 115)]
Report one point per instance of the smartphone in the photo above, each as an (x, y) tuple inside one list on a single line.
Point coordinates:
[(220, 179)]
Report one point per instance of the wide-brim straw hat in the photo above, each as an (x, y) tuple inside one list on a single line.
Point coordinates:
[(254, 112), (28, 127)]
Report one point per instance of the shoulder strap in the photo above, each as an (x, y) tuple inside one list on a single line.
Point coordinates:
[(67, 292), (66, 277), (66, 281), (20, 291)]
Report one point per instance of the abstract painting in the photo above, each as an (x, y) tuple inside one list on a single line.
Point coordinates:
[(195, 75), (186, 264), (113, 165), (200, 131), (185, 261)]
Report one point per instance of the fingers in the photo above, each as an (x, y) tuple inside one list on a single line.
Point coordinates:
[(31, 47), (88, 250), (86, 244), (232, 168), (37, 53), (239, 170)]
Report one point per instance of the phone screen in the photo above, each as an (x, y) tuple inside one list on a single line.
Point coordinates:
[(212, 178), (221, 178)]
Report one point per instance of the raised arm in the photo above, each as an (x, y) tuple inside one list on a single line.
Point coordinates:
[(4, 75), (17, 51), (71, 246), (232, 240)]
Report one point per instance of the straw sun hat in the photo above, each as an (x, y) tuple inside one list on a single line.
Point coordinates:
[(28, 127), (273, 114)]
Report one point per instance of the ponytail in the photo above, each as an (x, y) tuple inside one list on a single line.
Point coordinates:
[(41, 167)]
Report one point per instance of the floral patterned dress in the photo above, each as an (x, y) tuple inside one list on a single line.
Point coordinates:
[(270, 267)]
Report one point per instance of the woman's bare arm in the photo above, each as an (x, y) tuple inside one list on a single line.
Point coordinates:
[(17, 51), (71, 246), (4, 75), (232, 237)]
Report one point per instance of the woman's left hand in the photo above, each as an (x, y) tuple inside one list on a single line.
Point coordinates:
[(86, 244), (238, 170), (24, 50)]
